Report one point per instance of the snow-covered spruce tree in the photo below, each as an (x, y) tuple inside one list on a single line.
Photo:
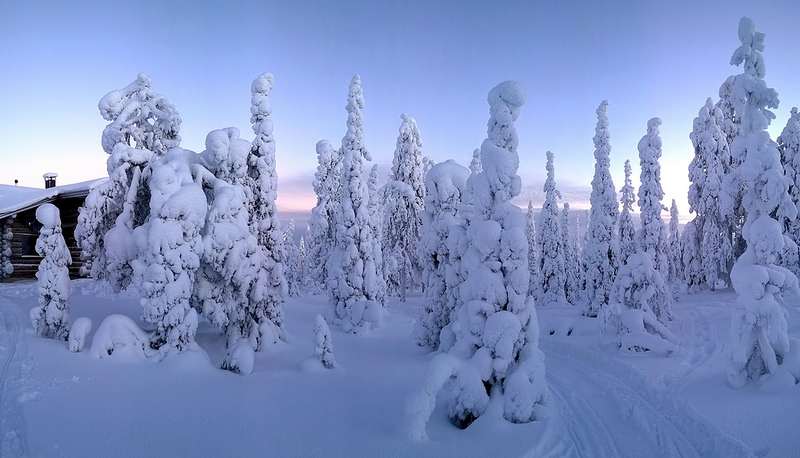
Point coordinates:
[(759, 342), (354, 287), (732, 191), (496, 351), (226, 156), (376, 214), (404, 196), (170, 246), (322, 224), (302, 255), (292, 260), (572, 267), (552, 278), (601, 245), (674, 252), (652, 237), (789, 146), (445, 184), (627, 230), (51, 317), (533, 250), (475, 165), (323, 344), (6, 268), (709, 256), (263, 184), (141, 123)]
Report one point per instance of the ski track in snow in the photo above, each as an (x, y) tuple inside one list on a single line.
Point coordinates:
[(610, 410), (12, 423)]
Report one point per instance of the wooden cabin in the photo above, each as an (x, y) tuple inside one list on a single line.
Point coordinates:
[(18, 211)]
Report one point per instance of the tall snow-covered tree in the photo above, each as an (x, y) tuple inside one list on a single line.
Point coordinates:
[(627, 230), (759, 342), (322, 224), (652, 237), (475, 165), (789, 146), (552, 278), (170, 246), (142, 123), (674, 251), (262, 183), (51, 317), (404, 196), (354, 289), (292, 260), (495, 323), (445, 184), (6, 268), (573, 287), (376, 225), (533, 250), (601, 244), (709, 256)]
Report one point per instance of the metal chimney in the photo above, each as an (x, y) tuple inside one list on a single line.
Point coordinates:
[(50, 180)]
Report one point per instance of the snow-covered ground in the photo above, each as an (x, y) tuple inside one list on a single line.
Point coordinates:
[(604, 402)]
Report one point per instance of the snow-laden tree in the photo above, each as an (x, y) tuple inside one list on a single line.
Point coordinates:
[(709, 256), (263, 184), (789, 146), (445, 184), (142, 123), (376, 215), (533, 250), (759, 342), (404, 196), (354, 289), (170, 246), (323, 344), (475, 164), (302, 256), (552, 278), (601, 245), (321, 237), (292, 264), (732, 190), (51, 317), (496, 332), (693, 274), (674, 251), (6, 268), (652, 236), (627, 230), (573, 274), (226, 156)]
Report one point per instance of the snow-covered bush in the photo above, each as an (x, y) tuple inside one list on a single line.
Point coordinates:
[(240, 358), (445, 184), (404, 196), (636, 307), (601, 245), (51, 317), (353, 268), (6, 268), (323, 345), (170, 246), (552, 278), (119, 335), (495, 326), (80, 328), (759, 339)]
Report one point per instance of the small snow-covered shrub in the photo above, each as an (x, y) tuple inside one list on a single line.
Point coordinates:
[(240, 358), (119, 335), (51, 317), (323, 346), (81, 328)]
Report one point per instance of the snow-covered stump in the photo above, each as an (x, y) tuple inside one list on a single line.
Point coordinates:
[(323, 345), (495, 350), (51, 317), (759, 339)]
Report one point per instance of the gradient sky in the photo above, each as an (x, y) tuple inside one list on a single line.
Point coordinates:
[(434, 60)]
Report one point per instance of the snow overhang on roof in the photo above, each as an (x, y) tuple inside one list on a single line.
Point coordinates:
[(14, 199)]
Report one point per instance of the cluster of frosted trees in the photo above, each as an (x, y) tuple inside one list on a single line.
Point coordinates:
[(197, 235)]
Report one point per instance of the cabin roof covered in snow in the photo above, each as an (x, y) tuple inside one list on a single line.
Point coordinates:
[(14, 199)]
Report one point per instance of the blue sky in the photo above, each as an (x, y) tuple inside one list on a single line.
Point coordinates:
[(434, 60)]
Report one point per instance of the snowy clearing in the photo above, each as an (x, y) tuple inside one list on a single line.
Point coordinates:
[(604, 402)]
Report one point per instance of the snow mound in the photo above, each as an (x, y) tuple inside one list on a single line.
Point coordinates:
[(363, 317), (120, 336), (240, 358), (81, 328)]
